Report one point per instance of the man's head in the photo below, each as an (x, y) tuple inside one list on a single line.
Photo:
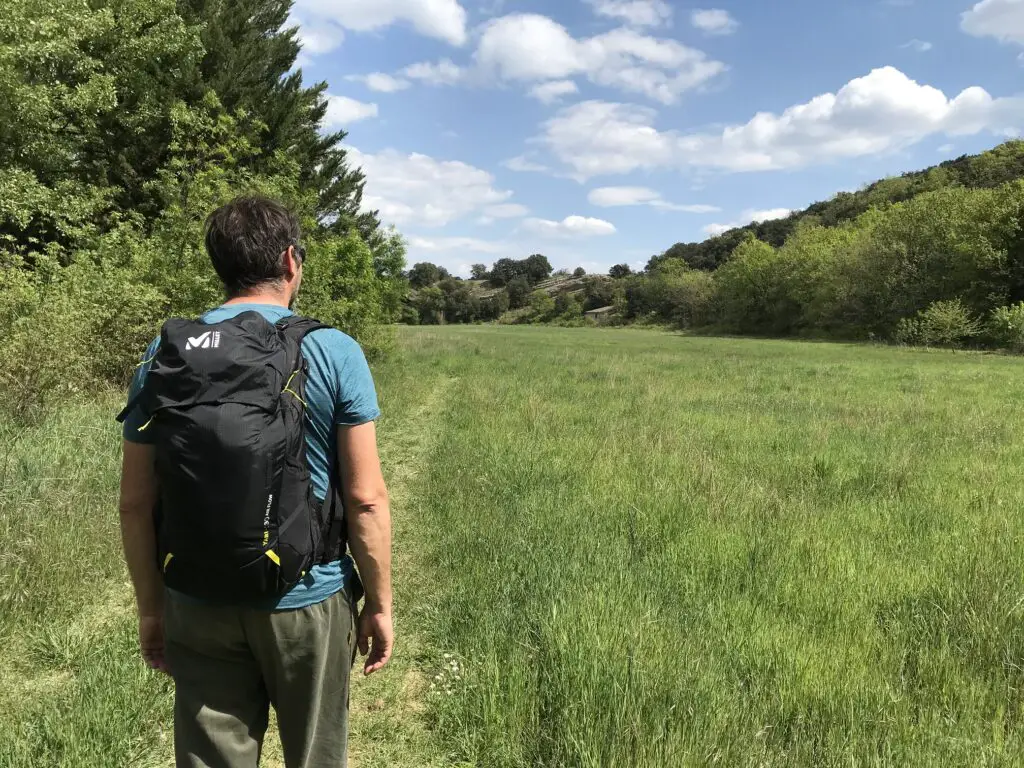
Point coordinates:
[(253, 243)]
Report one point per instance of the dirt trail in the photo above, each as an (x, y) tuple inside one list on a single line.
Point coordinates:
[(387, 723)]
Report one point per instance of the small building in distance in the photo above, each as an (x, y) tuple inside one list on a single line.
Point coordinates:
[(601, 315)]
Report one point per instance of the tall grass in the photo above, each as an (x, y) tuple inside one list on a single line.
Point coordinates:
[(615, 548), (72, 689), (650, 550)]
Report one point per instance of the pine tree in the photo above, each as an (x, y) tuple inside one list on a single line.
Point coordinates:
[(249, 60)]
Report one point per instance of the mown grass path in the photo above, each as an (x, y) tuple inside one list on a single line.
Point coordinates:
[(72, 690)]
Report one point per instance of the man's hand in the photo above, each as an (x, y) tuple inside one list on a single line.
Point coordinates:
[(151, 642), (376, 639)]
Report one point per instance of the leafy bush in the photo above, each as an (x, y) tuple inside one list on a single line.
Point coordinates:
[(1006, 327), (942, 324), (542, 306), (568, 307)]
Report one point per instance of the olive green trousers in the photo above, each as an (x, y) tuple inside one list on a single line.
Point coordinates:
[(231, 664)]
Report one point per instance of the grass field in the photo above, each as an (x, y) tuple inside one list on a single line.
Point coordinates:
[(615, 548)]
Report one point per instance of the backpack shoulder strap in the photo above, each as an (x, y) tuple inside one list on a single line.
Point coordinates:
[(297, 327)]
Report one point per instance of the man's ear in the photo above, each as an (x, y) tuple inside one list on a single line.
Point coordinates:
[(291, 262)]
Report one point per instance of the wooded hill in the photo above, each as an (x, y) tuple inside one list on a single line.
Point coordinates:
[(985, 171)]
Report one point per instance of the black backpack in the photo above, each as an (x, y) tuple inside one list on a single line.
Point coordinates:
[(236, 518)]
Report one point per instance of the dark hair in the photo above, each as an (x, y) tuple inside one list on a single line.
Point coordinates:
[(245, 240)]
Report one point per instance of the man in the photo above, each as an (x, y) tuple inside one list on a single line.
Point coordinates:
[(230, 660)]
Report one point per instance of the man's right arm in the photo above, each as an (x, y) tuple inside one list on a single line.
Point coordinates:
[(368, 516)]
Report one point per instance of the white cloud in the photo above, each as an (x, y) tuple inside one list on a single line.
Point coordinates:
[(1001, 19), (441, 19), (444, 72), (595, 138), (918, 46), (506, 211), (523, 164), (379, 81), (554, 90), (881, 112), (639, 13), (714, 230), (714, 21), (947, 149), (570, 227), (529, 47), (612, 197), (771, 214), (416, 189), (317, 38), (747, 217), (343, 111), (462, 244)]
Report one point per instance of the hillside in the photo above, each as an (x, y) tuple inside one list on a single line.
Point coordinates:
[(987, 170)]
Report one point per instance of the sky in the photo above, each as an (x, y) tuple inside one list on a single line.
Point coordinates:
[(600, 132)]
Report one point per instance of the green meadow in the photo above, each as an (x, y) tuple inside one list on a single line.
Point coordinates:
[(614, 548)]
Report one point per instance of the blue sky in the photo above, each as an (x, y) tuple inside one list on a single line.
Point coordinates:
[(603, 131)]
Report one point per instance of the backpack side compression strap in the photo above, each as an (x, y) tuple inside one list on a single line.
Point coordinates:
[(297, 328)]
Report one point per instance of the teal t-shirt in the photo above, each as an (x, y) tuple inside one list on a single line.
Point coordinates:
[(339, 392)]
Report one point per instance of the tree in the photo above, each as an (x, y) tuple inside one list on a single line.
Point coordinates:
[(748, 288), (579, 272), (114, 146), (423, 274), (430, 304), (478, 271), (620, 271), (674, 294), (85, 114), (494, 307), (389, 264), (249, 60), (533, 269), (536, 268), (518, 293), (503, 271), (461, 305), (599, 292)]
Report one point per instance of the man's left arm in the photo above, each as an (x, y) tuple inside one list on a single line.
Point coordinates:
[(138, 537)]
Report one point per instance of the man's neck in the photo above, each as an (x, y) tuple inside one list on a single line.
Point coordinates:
[(262, 297)]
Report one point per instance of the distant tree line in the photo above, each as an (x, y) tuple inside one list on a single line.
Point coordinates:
[(934, 257), (439, 298), (943, 268)]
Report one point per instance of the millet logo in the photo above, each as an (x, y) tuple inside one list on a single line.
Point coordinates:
[(208, 340)]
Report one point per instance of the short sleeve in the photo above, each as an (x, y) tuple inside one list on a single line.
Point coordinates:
[(348, 375), (135, 418)]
